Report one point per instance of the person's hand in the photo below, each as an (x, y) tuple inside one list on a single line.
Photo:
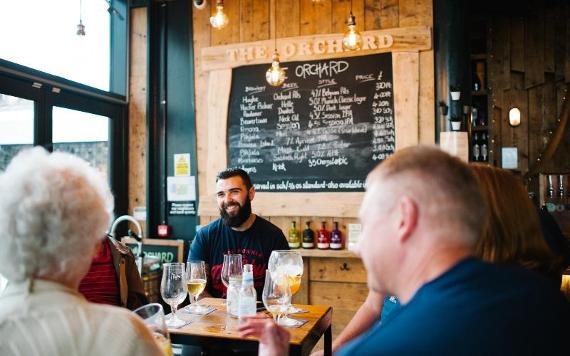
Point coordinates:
[(273, 339)]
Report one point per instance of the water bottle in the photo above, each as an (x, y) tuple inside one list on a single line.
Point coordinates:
[(247, 295)]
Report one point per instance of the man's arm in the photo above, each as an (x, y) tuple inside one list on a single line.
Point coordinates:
[(365, 317)]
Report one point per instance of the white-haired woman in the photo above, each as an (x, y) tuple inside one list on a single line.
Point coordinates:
[(54, 210)]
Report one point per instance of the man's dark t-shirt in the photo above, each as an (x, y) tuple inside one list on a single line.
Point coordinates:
[(475, 308), (255, 245)]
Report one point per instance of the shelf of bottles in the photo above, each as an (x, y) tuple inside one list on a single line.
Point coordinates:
[(478, 112), (324, 240)]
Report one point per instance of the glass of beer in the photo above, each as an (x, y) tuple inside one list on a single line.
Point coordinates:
[(196, 282), (289, 263), (153, 317)]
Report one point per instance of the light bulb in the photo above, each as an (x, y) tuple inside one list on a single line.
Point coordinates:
[(220, 19), (275, 75), (80, 29), (352, 39), (514, 117)]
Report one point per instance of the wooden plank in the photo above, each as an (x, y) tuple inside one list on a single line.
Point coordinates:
[(287, 17), (315, 17), (534, 48), (549, 36), (230, 33), (415, 13), (337, 270), (406, 98), (390, 14), (517, 44), (567, 42), (519, 99), (560, 42), (381, 14), (550, 113), (329, 293), (137, 109), (290, 204), (201, 38), (301, 48), (372, 10), (254, 20), (535, 119), (339, 13), (427, 98), (217, 113)]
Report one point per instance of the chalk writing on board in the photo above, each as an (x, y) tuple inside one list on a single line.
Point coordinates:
[(329, 124)]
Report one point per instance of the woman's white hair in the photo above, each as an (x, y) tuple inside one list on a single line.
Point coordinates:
[(54, 209)]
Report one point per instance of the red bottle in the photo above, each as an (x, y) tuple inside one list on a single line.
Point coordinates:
[(323, 239)]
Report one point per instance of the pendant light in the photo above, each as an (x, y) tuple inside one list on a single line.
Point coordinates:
[(80, 27), (352, 39), (275, 75), (220, 19)]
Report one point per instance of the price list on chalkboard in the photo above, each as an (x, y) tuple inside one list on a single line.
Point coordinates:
[(324, 129)]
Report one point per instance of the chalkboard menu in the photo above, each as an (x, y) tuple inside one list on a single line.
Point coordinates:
[(324, 129)]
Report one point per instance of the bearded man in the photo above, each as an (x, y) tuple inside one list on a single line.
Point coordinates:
[(237, 231)]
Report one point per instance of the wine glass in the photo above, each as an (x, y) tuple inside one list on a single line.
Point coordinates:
[(290, 263), (153, 317), (276, 294), (196, 282), (232, 268), (173, 290)]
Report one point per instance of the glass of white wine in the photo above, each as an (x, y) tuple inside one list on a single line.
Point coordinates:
[(290, 263), (276, 294), (173, 290), (153, 317), (196, 282)]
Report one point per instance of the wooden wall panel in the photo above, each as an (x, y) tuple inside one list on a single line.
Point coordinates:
[(517, 44), (254, 20), (316, 17), (526, 69), (202, 37), (287, 19), (137, 109), (534, 49), (341, 10)]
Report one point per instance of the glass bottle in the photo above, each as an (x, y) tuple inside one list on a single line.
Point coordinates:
[(336, 238), (247, 295), (308, 236), (476, 147), (293, 238), (561, 206), (323, 239), (484, 150)]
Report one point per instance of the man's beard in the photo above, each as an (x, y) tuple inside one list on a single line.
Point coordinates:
[(240, 217)]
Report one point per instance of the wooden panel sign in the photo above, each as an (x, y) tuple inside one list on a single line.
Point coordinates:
[(323, 130), (167, 250)]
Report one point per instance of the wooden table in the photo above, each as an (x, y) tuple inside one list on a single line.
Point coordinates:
[(219, 329)]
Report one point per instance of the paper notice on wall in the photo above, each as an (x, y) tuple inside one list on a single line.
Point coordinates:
[(510, 159), (182, 165), (181, 188)]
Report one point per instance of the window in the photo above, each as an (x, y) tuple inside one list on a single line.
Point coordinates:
[(63, 91), (43, 36), (16, 126), (83, 134)]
